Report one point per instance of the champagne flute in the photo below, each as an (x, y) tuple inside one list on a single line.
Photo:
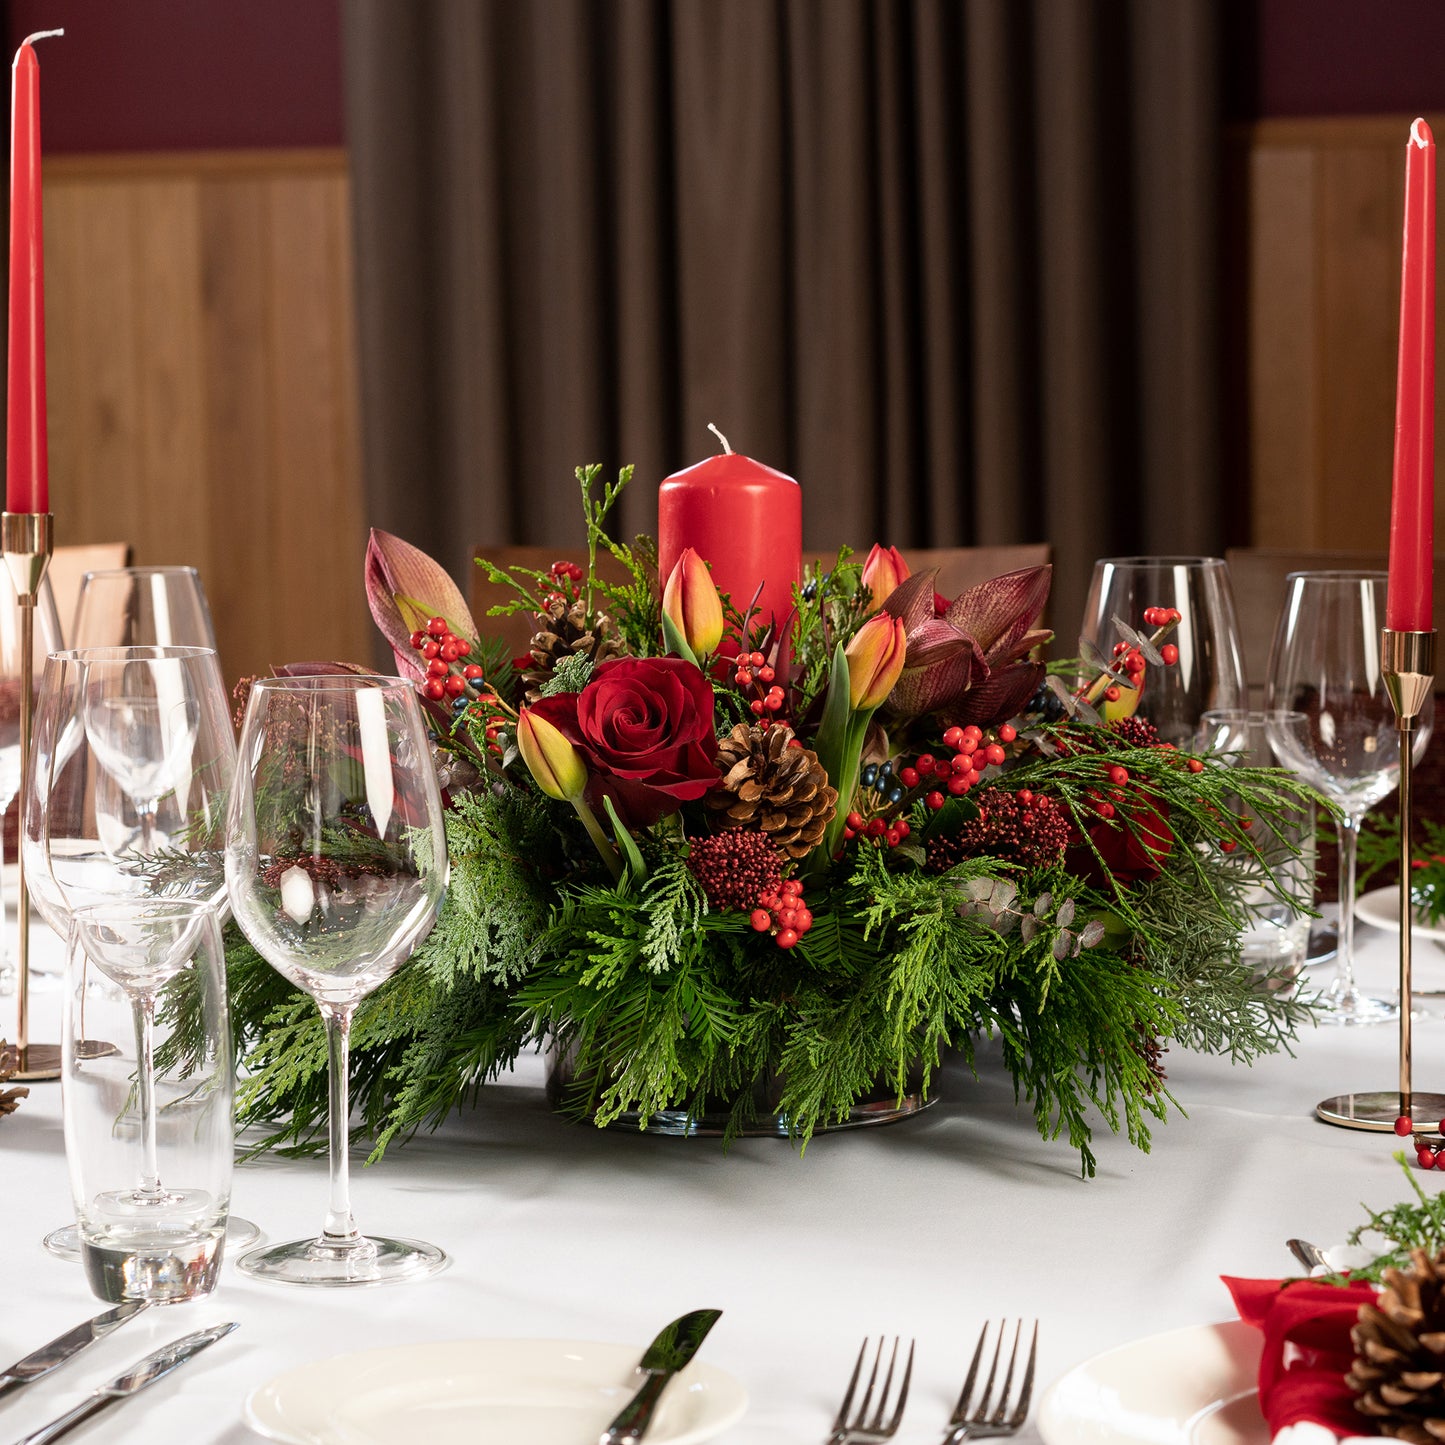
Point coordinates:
[(336, 867), (1209, 673), (1325, 666)]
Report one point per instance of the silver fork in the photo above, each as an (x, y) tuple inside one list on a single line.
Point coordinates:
[(987, 1417), (883, 1424)]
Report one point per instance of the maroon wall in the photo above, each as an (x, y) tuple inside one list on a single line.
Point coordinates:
[(1334, 57), (185, 74)]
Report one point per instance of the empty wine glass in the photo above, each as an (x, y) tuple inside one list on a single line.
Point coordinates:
[(103, 824), (336, 867), (1209, 672), (141, 606), (1325, 666), (149, 1120)]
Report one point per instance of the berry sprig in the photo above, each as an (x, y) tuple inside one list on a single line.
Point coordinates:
[(783, 913), (450, 677), (1127, 669), (1427, 1153), (567, 576), (754, 673)]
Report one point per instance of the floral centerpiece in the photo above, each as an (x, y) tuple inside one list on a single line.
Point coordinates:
[(761, 866)]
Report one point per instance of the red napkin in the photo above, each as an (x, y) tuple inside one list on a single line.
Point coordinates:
[(1307, 1350)]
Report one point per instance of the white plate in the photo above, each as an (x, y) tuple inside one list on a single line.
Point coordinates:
[(1194, 1386), (1381, 906), (475, 1392)]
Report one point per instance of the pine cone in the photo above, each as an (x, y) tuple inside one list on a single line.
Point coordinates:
[(1399, 1370), (9, 1062), (770, 785), (564, 630)]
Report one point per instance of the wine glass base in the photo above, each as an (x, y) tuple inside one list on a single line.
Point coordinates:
[(1354, 1009), (315, 1262), (1377, 1112), (64, 1243)]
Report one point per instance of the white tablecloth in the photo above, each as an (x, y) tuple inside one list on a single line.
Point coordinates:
[(924, 1228)]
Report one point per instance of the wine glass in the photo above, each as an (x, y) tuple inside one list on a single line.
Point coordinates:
[(136, 606), (47, 638), (1325, 666), (103, 824), (131, 1109), (1209, 672), (336, 867)]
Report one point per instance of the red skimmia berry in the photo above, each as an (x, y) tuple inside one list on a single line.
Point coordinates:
[(437, 627), (1169, 653)]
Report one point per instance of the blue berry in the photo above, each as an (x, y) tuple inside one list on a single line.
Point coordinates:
[(895, 795), (886, 771), (869, 775), (880, 785)]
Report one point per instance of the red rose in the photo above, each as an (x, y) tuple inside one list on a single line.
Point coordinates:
[(1133, 851), (645, 726)]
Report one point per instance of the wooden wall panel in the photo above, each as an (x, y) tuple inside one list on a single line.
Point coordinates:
[(1322, 208), (202, 385)]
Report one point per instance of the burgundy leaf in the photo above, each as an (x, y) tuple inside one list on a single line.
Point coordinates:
[(998, 612), (912, 600)]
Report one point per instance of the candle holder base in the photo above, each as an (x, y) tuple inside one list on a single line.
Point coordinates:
[(38, 1063), (1376, 1112)]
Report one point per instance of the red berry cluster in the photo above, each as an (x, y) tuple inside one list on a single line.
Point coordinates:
[(782, 912), (878, 830), (735, 866), (1024, 827), (566, 575), (1162, 616), (450, 677), (753, 672), (1427, 1155), (972, 753)]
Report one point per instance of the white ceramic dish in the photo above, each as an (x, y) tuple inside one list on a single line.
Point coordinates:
[(1193, 1386), (476, 1392), (1381, 906)]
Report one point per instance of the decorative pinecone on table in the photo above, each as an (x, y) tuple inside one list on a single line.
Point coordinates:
[(1399, 1370), (563, 631), (9, 1062), (770, 784)]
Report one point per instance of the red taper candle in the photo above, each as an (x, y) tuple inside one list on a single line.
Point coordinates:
[(1409, 604), (747, 521), (27, 470)]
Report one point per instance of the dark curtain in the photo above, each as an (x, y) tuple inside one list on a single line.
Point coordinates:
[(952, 263)]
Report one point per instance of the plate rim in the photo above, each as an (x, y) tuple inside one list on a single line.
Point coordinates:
[(1380, 912), (1216, 1327), (733, 1412)]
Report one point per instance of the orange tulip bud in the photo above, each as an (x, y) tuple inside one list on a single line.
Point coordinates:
[(692, 601), (875, 659), (883, 571), (552, 760)]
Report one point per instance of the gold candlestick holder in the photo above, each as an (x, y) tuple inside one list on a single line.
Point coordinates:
[(1408, 664), (25, 539)]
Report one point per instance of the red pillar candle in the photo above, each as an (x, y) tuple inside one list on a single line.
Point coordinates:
[(1409, 604), (747, 521)]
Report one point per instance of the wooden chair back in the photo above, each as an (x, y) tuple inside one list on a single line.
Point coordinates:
[(68, 566)]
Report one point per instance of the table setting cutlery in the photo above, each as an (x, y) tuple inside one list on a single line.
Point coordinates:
[(64, 1347), (989, 1416), (673, 1349), (882, 1424), (144, 1373)]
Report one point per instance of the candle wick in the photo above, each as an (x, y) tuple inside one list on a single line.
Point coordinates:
[(726, 448), (1420, 133), (41, 35)]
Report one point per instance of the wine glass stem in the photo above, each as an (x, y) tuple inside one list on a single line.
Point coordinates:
[(147, 812), (1349, 834), (340, 1226), (144, 1010)]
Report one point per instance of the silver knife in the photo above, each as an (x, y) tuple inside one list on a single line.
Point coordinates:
[(58, 1351), (142, 1373), (662, 1359)]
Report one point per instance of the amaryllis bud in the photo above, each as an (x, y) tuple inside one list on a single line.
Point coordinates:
[(692, 601), (552, 760), (883, 571), (875, 659)]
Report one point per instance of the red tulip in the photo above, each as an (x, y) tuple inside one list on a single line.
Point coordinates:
[(883, 570)]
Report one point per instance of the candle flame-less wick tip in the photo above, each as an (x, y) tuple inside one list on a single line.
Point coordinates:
[(726, 448), (1420, 134), (41, 35)]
